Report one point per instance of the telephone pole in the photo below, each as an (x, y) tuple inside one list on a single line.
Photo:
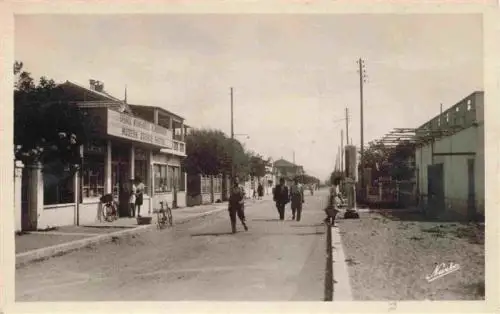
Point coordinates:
[(347, 125), (232, 137), (362, 79), (341, 150)]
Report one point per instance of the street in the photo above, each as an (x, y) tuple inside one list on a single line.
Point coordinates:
[(197, 260)]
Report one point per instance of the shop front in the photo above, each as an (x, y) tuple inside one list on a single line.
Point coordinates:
[(122, 149)]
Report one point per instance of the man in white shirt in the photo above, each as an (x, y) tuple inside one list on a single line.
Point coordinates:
[(297, 198)]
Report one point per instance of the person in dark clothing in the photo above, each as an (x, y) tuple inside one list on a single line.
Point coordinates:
[(297, 198), (237, 205), (280, 197), (260, 190)]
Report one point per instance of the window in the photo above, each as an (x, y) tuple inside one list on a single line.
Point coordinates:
[(93, 176), (161, 180), (141, 167), (469, 105), (176, 178), (58, 184)]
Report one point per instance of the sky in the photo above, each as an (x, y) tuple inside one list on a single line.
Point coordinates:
[(292, 75)]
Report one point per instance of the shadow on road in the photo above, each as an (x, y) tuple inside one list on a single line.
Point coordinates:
[(260, 219)]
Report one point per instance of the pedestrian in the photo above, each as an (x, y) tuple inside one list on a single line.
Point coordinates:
[(133, 192), (237, 205), (139, 195), (280, 197), (297, 198), (334, 201), (260, 190)]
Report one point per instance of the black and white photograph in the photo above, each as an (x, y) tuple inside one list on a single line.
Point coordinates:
[(249, 157)]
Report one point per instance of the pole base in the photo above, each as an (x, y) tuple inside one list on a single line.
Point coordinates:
[(351, 214)]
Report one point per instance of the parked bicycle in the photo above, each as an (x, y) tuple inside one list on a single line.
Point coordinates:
[(109, 208), (164, 216)]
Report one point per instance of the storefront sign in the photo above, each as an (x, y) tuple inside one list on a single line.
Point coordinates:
[(126, 126)]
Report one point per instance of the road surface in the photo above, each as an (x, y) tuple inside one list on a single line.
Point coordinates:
[(196, 261)]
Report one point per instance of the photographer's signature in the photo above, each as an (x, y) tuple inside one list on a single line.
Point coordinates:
[(442, 270)]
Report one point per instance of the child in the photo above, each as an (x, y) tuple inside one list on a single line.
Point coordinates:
[(133, 191)]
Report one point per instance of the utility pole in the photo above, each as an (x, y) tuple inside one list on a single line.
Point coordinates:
[(362, 78), (232, 138), (294, 157), (347, 125), (341, 150)]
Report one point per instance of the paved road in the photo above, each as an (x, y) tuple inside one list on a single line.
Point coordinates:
[(198, 260)]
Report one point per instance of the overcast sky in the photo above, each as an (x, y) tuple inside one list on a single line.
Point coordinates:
[(293, 75)]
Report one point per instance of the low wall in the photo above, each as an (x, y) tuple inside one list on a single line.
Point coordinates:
[(56, 216), (193, 200), (181, 199), (88, 211), (217, 196), (162, 197), (455, 209), (206, 198)]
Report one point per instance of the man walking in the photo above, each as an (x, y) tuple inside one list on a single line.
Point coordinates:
[(297, 198), (237, 205), (280, 197)]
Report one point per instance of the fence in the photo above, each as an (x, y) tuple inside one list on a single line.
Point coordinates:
[(402, 193)]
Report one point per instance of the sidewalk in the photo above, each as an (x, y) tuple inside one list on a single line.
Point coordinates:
[(39, 245)]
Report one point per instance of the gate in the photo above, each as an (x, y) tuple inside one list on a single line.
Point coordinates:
[(435, 189)]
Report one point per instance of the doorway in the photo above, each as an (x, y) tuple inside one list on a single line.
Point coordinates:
[(435, 189), (471, 187), (120, 178)]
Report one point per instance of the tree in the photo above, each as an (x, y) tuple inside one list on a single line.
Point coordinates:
[(398, 158), (210, 152), (47, 128), (257, 165)]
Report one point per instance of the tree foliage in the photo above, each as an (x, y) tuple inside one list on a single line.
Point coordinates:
[(46, 127), (257, 165), (210, 152), (389, 161)]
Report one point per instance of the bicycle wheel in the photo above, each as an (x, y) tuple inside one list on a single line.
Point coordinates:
[(107, 214), (170, 218), (158, 220)]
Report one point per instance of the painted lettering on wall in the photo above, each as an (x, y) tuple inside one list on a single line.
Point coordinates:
[(125, 126)]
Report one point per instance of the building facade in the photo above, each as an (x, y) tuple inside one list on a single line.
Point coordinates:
[(127, 142), (450, 162), (287, 170)]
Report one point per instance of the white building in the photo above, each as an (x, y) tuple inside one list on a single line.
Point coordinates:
[(450, 160)]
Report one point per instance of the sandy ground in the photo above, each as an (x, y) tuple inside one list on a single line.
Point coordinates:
[(389, 257)]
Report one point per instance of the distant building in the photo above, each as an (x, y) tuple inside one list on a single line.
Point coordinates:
[(287, 170), (449, 160)]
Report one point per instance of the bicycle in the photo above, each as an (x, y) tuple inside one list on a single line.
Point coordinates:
[(110, 212), (164, 216)]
